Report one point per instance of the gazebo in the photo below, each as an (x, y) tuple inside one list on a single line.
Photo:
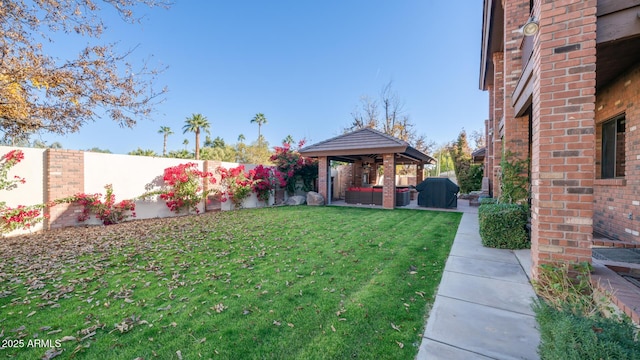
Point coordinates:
[(366, 149)]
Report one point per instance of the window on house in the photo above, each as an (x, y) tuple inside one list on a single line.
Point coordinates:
[(613, 158)]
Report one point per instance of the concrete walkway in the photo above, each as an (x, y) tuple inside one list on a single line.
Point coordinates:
[(483, 305)]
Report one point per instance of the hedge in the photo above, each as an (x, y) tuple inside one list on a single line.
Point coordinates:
[(569, 336), (504, 226)]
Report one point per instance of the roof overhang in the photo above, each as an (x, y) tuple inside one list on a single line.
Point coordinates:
[(492, 39)]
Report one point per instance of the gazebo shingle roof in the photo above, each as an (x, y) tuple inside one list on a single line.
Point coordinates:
[(365, 141)]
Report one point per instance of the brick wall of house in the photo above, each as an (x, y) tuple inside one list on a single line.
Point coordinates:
[(63, 177), (562, 165), (516, 129), (617, 201), (498, 115)]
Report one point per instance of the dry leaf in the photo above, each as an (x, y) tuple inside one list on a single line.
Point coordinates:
[(51, 353), (395, 327), (400, 344), (277, 323), (179, 354), (333, 328), (290, 324), (68, 338), (31, 314)]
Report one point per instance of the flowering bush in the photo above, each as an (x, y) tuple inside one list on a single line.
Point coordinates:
[(22, 216), (7, 161), (265, 180), (109, 212), (295, 167), (237, 185), (183, 187)]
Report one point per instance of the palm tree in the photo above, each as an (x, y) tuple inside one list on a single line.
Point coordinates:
[(165, 131), (288, 140), (185, 143), (241, 138), (195, 124), (259, 119)]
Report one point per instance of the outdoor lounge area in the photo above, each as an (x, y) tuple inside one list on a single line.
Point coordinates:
[(374, 157), (373, 195)]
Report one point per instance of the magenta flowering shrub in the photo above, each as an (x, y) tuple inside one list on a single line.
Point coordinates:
[(183, 187), (266, 178), (107, 211), (294, 167)]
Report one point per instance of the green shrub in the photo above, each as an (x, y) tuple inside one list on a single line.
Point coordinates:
[(566, 335), (503, 226), (487, 201)]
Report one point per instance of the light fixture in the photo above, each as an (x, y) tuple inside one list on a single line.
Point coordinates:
[(531, 27)]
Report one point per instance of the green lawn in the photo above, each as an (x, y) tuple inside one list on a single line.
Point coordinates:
[(274, 283)]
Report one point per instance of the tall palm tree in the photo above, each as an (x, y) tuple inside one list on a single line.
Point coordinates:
[(241, 138), (165, 131), (259, 119), (195, 124), (288, 140), (185, 142)]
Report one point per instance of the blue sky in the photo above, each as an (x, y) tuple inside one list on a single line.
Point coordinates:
[(304, 64)]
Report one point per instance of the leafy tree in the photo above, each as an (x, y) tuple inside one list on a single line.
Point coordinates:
[(220, 153), (165, 131), (259, 119), (195, 124), (185, 142), (141, 152), (40, 92), (469, 178), (98, 150), (180, 154), (217, 142), (258, 152), (388, 116)]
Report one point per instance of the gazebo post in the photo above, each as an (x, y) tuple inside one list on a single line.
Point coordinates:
[(419, 172), (323, 177), (389, 184)]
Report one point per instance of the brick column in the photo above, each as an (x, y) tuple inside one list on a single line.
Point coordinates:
[(212, 202), (389, 185), (497, 115), (323, 176), (63, 176), (419, 173), (516, 129), (563, 169)]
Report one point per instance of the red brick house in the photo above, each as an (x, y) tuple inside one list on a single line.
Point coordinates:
[(567, 97)]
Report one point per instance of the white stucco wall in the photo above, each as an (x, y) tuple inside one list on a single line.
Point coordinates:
[(130, 176)]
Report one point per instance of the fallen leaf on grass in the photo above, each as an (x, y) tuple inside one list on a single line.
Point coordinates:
[(400, 344), (277, 323), (333, 328), (31, 314), (179, 354), (68, 338), (395, 327), (290, 325), (51, 353)]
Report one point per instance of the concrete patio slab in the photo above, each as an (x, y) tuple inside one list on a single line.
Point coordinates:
[(438, 350), (507, 271), (482, 308), (504, 295), (480, 329)]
